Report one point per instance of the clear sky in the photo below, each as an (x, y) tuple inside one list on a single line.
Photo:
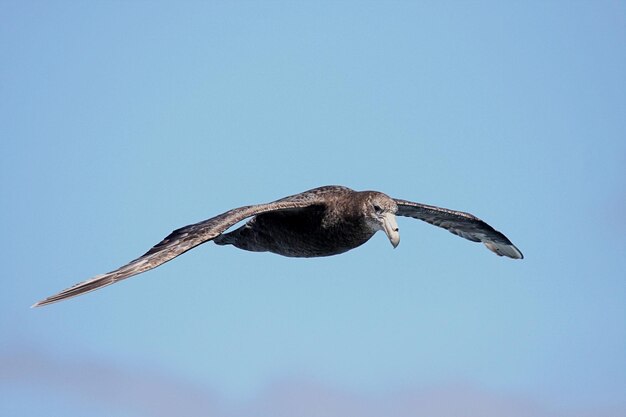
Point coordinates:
[(121, 121)]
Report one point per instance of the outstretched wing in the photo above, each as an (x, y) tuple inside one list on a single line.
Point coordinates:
[(461, 224), (188, 237)]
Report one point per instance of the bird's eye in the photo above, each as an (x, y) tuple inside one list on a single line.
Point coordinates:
[(377, 208)]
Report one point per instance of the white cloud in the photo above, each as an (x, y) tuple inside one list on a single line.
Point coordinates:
[(149, 393)]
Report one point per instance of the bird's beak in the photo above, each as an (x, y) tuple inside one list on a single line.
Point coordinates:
[(390, 226)]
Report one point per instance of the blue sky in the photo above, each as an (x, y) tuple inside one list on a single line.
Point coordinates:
[(121, 121)]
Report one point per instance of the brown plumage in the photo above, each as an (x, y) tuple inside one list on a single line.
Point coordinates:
[(320, 222)]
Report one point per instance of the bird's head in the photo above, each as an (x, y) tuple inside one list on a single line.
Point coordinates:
[(380, 214)]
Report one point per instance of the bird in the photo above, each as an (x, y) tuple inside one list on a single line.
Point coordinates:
[(323, 221)]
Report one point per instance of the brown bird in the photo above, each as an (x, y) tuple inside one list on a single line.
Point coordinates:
[(323, 221)]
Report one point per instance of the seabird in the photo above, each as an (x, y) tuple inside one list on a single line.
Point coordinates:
[(323, 221)]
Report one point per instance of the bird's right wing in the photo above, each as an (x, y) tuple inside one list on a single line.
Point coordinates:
[(188, 237)]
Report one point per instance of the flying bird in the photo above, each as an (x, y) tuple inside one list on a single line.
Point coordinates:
[(323, 221)]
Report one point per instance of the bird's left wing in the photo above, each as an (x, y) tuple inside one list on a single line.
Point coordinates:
[(461, 224), (186, 238)]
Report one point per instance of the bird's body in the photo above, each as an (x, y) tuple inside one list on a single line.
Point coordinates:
[(323, 221), (312, 231), (299, 233)]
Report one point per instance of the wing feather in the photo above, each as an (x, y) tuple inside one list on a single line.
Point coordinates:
[(188, 237), (461, 224)]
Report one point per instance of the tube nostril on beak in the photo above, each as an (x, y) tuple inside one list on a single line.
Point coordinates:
[(397, 229)]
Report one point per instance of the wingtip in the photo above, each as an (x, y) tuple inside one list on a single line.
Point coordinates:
[(42, 303), (508, 250)]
